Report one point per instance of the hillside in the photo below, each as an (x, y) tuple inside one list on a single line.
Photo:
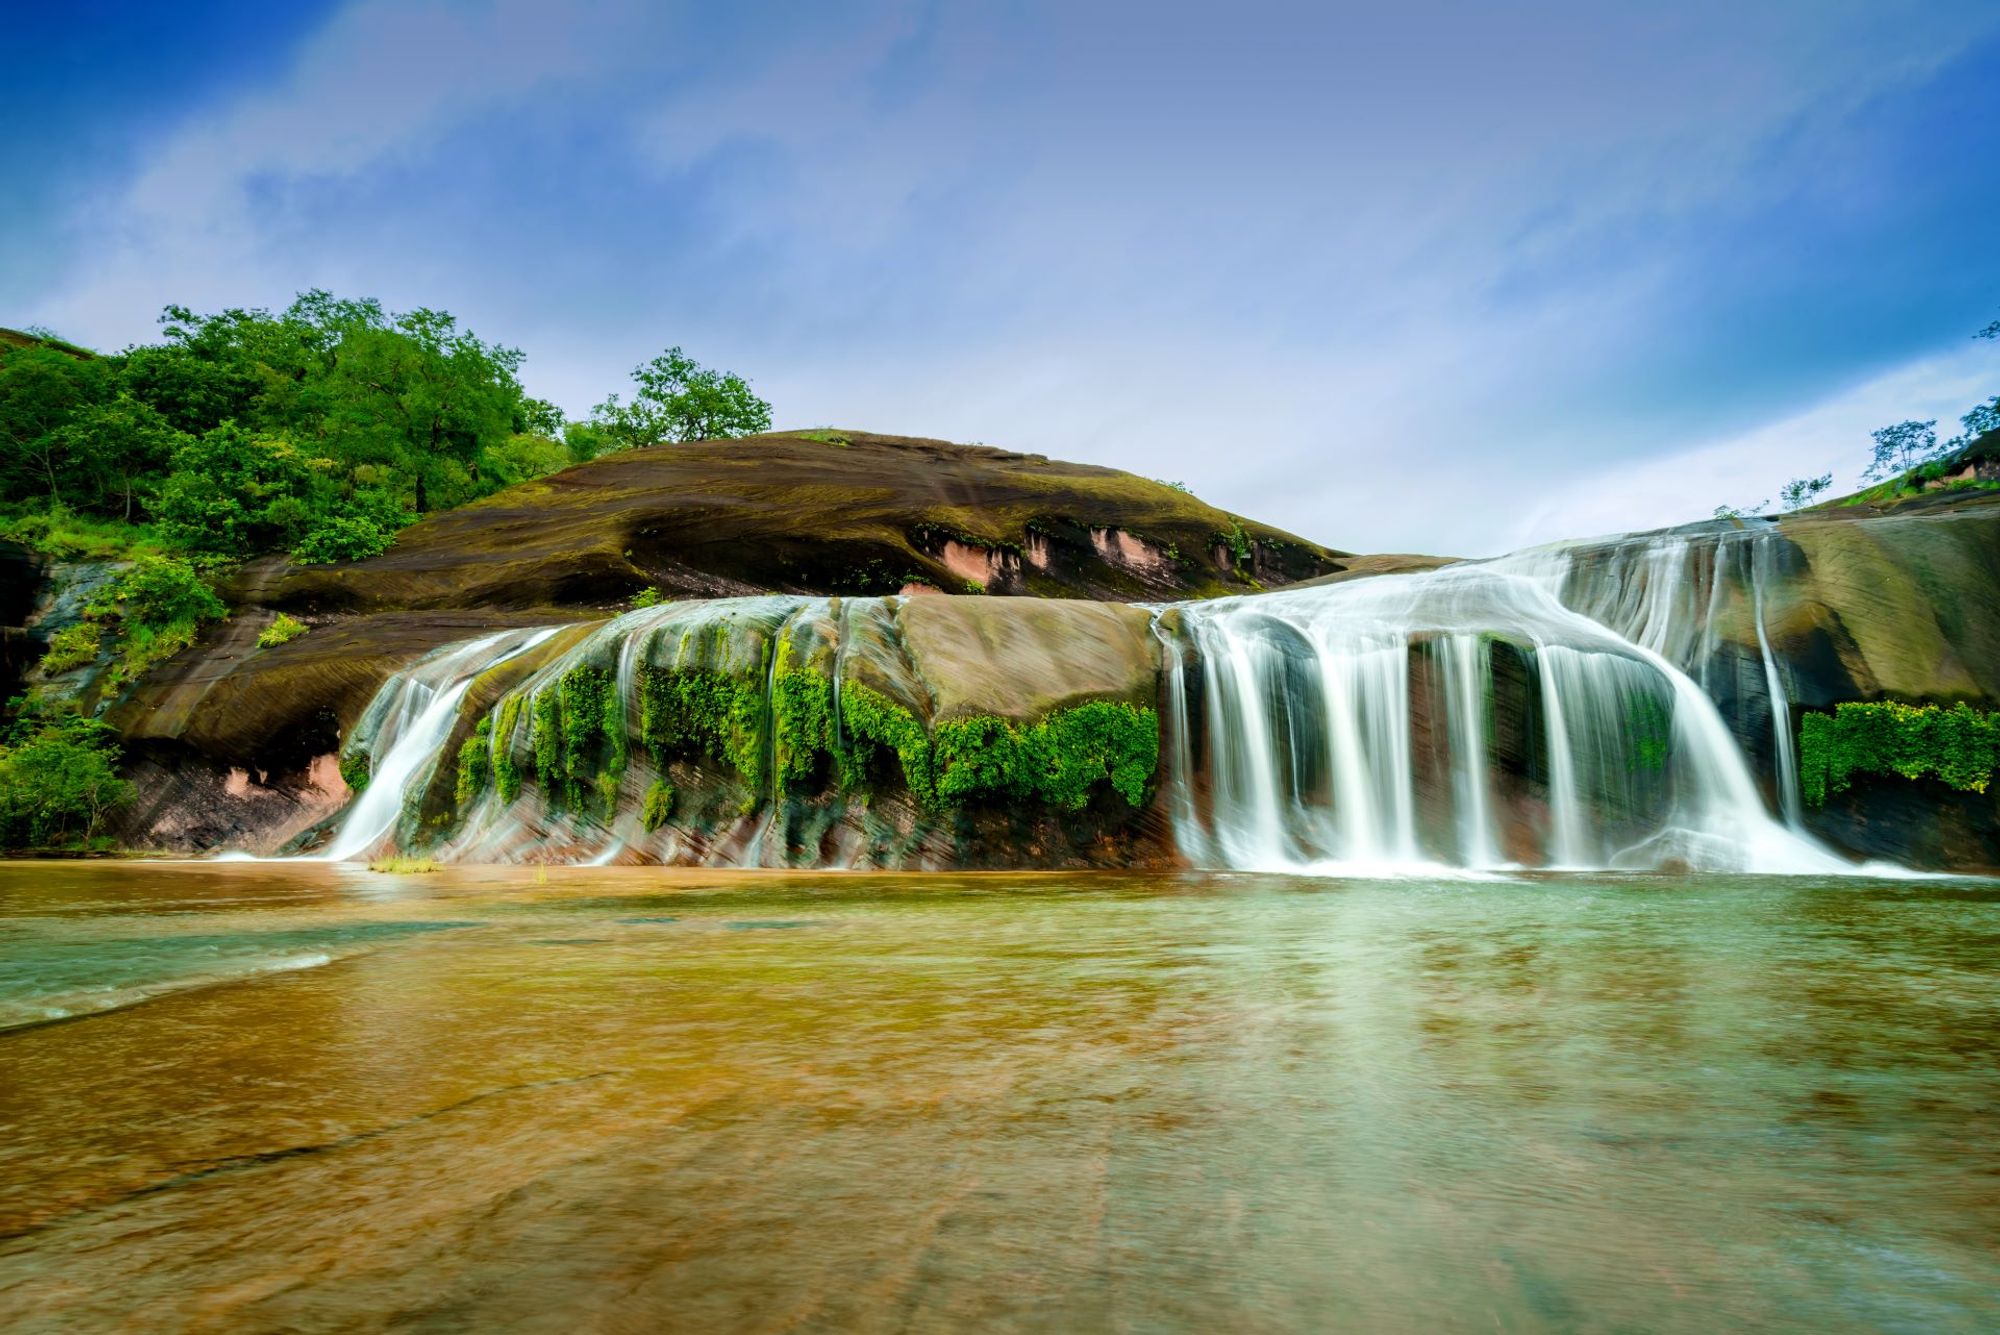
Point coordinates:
[(823, 512)]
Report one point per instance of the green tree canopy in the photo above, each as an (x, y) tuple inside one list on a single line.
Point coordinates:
[(677, 399)]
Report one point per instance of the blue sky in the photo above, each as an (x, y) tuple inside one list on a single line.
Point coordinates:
[(1440, 277)]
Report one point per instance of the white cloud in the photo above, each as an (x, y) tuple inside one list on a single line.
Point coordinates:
[(205, 219), (1746, 468)]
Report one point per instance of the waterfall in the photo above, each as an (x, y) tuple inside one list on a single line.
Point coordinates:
[(1619, 758), (406, 726), (1467, 663), (1672, 593), (1555, 708)]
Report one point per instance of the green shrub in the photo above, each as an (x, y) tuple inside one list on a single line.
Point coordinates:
[(58, 780), (801, 719), (1959, 746), (657, 805), (72, 647), (161, 604), (578, 720), (64, 535), (648, 598), (159, 591), (342, 537), (355, 767), (875, 723), (1057, 760), (1236, 541), (282, 631)]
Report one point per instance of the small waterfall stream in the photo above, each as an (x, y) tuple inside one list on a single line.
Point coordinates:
[(406, 727)]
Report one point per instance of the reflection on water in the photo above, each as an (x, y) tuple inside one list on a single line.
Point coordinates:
[(307, 1098)]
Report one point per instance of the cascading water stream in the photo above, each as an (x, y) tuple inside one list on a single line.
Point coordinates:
[(404, 729), (1632, 766)]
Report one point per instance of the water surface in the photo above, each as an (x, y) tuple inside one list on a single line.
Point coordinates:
[(306, 1098)]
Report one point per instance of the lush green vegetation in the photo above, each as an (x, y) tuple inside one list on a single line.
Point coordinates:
[(1057, 760), (58, 777), (792, 738), (355, 768), (1959, 746), (318, 430), (506, 774), (707, 713), (577, 734), (156, 606), (72, 647), (475, 763)]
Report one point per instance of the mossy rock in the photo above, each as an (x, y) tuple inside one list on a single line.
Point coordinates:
[(788, 512)]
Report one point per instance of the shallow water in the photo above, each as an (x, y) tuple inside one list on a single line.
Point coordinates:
[(306, 1097)]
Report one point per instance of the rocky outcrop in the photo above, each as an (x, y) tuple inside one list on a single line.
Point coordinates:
[(823, 513)]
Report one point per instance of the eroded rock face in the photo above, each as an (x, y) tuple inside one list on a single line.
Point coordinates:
[(858, 515)]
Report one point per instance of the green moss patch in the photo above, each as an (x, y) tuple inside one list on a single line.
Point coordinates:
[(657, 805), (506, 774), (475, 763), (1058, 760), (577, 728), (701, 711), (1959, 746)]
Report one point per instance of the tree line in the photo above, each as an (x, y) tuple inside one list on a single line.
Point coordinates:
[(320, 430)]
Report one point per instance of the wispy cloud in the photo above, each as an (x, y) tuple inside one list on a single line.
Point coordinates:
[(1392, 276)]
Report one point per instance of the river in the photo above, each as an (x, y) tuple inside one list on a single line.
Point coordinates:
[(308, 1097)]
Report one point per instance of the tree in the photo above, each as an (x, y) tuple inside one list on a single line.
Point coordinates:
[(1983, 420), (677, 399), (40, 389), (421, 395), (58, 778), (1802, 491), (236, 494), (118, 452), (1902, 447), (1991, 331)]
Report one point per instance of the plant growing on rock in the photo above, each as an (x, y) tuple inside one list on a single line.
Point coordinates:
[(72, 647), (281, 631), (160, 604), (475, 763), (657, 806)]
